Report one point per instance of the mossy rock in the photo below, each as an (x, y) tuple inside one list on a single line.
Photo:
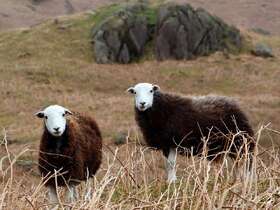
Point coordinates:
[(175, 32), (121, 37)]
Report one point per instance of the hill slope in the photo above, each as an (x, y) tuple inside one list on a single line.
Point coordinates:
[(53, 63), (246, 14)]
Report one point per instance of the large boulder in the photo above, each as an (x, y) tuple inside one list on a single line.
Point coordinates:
[(122, 36), (176, 32), (183, 33)]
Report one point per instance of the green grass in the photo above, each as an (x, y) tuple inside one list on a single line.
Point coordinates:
[(105, 12), (151, 14)]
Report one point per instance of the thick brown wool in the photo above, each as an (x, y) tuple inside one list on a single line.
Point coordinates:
[(76, 154), (182, 122)]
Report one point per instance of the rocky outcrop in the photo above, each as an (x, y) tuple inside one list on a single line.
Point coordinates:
[(176, 31), (184, 33)]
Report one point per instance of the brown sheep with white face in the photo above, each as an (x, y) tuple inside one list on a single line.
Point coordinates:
[(71, 146), (171, 122)]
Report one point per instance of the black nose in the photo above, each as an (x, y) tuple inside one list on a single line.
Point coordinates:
[(142, 103), (56, 129)]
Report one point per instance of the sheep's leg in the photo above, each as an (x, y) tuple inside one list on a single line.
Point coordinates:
[(171, 165), (88, 194), (71, 194), (53, 195)]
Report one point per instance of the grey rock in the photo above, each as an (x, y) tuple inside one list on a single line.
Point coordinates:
[(124, 56), (179, 32), (122, 36), (101, 49), (138, 34), (262, 50), (184, 33), (113, 41)]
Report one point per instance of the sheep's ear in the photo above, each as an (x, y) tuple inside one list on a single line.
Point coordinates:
[(67, 111), (156, 88), (40, 114), (131, 90)]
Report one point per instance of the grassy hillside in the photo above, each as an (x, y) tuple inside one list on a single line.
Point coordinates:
[(53, 63)]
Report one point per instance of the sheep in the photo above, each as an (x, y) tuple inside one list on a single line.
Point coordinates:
[(173, 123), (70, 150)]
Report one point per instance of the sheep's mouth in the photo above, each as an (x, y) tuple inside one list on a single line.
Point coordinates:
[(142, 108), (57, 133)]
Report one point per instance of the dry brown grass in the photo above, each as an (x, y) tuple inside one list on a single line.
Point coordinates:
[(52, 63), (132, 177)]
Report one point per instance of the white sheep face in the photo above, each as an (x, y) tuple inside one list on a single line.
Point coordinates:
[(54, 119), (144, 95)]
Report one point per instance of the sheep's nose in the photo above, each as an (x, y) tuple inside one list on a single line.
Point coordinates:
[(56, 129), (143, 103)]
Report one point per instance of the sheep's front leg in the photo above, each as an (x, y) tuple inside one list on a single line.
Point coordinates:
[(171, 165), (71, 194), (53, 195)]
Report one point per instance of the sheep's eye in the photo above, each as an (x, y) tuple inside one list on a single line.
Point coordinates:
[(151, 91), (46, 117), (134, 92), (63, 115)]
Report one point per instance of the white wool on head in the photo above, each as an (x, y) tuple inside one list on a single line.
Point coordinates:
[(144, 95), (54, 119)]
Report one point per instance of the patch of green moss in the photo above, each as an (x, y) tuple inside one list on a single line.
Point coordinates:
[(106, 12), (151, 15)]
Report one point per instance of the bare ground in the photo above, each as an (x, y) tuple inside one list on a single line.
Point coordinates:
[(247, 14)]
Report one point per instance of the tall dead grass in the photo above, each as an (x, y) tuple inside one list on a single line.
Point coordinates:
[(132, 177)]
